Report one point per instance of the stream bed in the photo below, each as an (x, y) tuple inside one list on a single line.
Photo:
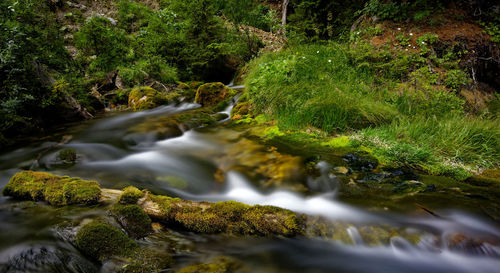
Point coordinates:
[(218, 164)]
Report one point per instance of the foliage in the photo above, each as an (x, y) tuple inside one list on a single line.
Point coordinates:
[(456, 78), (453, 145), (322, 19), (101, 38), (401, 10), (31, 53), (322, 89)]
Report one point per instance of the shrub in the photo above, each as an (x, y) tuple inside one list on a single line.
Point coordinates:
[(100, 38)]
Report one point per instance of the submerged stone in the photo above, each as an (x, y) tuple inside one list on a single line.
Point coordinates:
[(56, 190), (360, 162), (218, 265), (68, 155)]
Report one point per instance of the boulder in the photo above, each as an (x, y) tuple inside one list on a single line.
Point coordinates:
[(212, 93)]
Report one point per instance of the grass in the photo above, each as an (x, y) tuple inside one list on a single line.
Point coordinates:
[(316, 85), (411, 120)]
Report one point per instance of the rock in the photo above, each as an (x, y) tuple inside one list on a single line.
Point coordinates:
[(68, 155), (223, 217), (42, 259), (219, 265), (56, 190), (220, 116), (133, 219), (131, 195), (409, 187), (142, 98), (487, 178), (341, 170), (100, 241), (360, 162), (212, 93), (241, 109)]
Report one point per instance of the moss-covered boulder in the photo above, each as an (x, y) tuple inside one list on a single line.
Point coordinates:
[(218, 265), (101, 241), (213, 93), (131, 195), (133, 219), (67, 155), (223, 217), (56, 190), (142, 98)]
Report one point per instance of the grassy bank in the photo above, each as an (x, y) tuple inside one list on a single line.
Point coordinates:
[(415, 121)]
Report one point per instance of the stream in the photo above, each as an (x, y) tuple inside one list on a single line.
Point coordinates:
[(110, 150)]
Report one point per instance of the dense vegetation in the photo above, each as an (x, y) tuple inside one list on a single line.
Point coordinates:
[(43, 80), (376, 71)]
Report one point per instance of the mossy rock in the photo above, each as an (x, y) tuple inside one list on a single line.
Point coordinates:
[(131, 195), (133, 219), (360, 161), (213, 93), (56, 190), (142, 98), (68, 155), (224, 217), (100, 241), (218, 265), (487, 178), (241, 109), (147, 261)]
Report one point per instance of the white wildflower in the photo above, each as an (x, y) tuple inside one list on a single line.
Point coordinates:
[(399, 28), (329, 61), (317, 51), (411, 34)]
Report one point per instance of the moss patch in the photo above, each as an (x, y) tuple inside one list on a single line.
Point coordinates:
[(56, 190), (213, 93), (131, 195), (101, 241), (218, 265), (144, 97), (68, 155), (224, 217), (133, 219)]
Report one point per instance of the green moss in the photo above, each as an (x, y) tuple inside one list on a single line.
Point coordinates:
[(228, 217), (218, 265), (101, 241), (147, 261), (131, 195), (56, 190), (213, 93), (68, 155), (133, 219), (142, 98)]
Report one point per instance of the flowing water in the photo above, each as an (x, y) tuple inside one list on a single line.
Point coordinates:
[(112, 152)]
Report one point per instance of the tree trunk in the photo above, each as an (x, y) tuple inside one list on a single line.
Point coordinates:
[(285, 10)]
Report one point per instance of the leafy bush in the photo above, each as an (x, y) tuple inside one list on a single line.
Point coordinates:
[(456, 78), (32, 53), (100, 38)]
